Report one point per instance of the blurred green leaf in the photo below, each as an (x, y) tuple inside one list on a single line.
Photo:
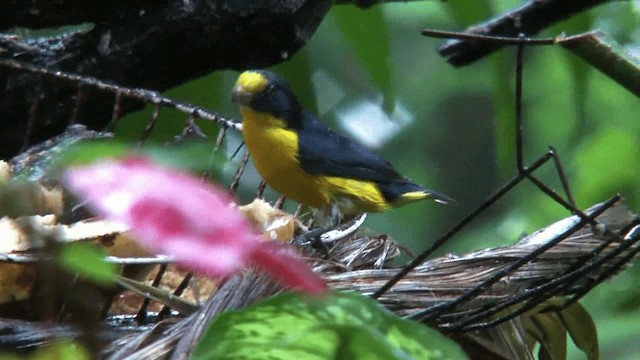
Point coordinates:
[(505, 122), (90, 151), (9, 357), (298, 72), (192, 156), (466, 12), (88, 260), (59, 350), (66, 350), (579, 70), (618, 332), (366, 32), (338, 326), (606, 162)]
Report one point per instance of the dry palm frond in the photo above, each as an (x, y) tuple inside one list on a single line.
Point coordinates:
[(354, 265), (445, 278)]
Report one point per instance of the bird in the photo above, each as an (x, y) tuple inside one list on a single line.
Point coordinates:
[(305, 160)]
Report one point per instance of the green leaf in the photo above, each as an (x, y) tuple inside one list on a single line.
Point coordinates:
[(503, 98), (606, 162), (467, 12), (582, 329), (338, 326), (9, 357), (549, 326), (553, 342), (366, 33), (298, 73), (61, 350), (89, 151), (88, 260), (579, 69), (192, 156)]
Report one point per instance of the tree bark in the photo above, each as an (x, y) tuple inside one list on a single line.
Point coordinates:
[(147, 44)]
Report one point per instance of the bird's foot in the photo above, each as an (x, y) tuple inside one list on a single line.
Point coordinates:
[(322, 237)]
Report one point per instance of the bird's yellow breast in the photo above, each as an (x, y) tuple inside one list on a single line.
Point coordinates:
[(274, 150)]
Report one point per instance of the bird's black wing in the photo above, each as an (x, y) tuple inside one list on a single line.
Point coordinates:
[(325, 152)]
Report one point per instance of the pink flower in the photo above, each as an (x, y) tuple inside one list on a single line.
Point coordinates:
[(179, 215)]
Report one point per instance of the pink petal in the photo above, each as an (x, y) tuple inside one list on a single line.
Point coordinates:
[(282, 263), (180, 215)]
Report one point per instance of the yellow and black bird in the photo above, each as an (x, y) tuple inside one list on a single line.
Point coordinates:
[(305, 160)]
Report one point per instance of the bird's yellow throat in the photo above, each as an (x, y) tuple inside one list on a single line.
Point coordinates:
[(274, 150)]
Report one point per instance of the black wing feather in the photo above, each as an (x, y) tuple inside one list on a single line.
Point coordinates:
[(325, 152)]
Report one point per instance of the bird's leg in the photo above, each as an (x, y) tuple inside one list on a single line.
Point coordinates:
[(333, 221), (314, 237), (334, 216)]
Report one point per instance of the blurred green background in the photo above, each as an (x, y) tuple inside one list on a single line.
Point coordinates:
[(374, 77)]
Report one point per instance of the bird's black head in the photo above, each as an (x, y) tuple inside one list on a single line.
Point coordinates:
[(266, 92)]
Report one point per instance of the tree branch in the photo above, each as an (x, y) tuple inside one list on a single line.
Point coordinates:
[(528, 19)]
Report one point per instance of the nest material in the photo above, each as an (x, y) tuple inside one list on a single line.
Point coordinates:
[(446, 278), (356, 265)]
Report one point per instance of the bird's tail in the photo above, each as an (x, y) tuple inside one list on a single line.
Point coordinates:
[(402, 192)]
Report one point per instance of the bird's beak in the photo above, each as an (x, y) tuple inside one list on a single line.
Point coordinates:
[(240, 96)]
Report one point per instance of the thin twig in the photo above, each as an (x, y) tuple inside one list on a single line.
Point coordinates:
[(529, 19), (562, 176), (116, 113), (147, 96), (429, 313), (464, 222), (545, 291), (150, 125), (236, 177), (141, 316), (505, 40), (76, 108)]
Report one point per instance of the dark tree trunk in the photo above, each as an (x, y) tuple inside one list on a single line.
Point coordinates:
[(147, 44)]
